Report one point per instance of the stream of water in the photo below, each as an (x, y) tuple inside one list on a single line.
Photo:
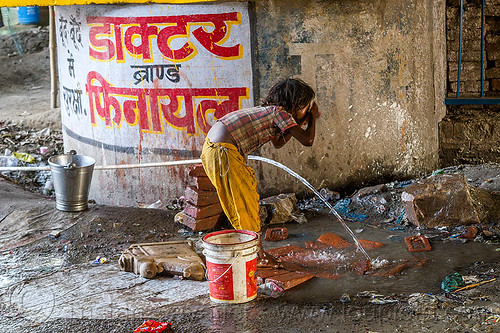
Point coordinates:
[(316, 192)]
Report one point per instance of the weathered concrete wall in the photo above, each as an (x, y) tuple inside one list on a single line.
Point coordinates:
[(471, 133), (379, 71)]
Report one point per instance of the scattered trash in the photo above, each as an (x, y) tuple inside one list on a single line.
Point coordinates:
[(452, 282), (377, 263), (474, 285), (25, 157), (270, 289), (369, 293), (16, 138), (99, 260), (157, 205), (329, 195), (173, 257), (152, 326), (493, 319), (55, 233), (8, 161), (468, 279), (423, 304), (382, 301), (400, 218), (345, 298), (342, 207), (417, 243)]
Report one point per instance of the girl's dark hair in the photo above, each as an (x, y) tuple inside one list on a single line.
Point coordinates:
[(290, 94)]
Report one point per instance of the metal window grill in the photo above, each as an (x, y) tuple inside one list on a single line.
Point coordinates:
[(482, 100)]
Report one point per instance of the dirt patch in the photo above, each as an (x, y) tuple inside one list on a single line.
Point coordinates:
[(25, 91)]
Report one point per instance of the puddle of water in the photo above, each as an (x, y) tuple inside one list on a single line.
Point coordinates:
[(443, 259)]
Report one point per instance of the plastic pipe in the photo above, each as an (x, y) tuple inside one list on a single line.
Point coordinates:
[(110, 167)]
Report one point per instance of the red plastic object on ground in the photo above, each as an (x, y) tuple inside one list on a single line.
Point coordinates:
[(417, 243), (152, 326), (276, 234)]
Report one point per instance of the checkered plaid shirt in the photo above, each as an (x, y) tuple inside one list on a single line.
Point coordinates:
[(251, 128)]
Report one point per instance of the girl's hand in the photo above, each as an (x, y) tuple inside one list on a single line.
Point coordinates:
[(314, 110)]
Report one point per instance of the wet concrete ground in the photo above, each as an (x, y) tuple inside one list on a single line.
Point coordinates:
[(51, 285)]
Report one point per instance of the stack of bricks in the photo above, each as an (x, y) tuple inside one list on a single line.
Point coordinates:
[(202, 209)]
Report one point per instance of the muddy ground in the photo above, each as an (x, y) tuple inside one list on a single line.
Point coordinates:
[(409, 301)]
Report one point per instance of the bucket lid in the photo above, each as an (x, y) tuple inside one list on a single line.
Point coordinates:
[(222, 232)]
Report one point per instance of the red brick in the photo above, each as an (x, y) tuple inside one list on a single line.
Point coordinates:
[(203, 184), (202, 224), (197, 170), (200, 212), (361, 266), (334, 241), (290, 280), (315, 245), (291, 267), (369, 245), (323, 275), (199, 197), (276, 234), (284, 250), (417, 243), (264, 273)]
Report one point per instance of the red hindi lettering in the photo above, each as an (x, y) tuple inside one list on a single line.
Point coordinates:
[(219, 110), (211, 40), (144, 31), (101, 92)]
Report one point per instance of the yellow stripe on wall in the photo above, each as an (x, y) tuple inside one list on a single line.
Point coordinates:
[(20, 3)]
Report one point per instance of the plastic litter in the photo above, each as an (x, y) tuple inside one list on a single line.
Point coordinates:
[(152, 326), (99, 260), (329, 195), (493, 319), (380, 301), (452, 282), (342, 207), (25, 157), (270, 289), (8, 161), (345, 298)]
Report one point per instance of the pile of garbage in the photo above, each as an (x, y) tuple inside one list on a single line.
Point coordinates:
[(23, 146)]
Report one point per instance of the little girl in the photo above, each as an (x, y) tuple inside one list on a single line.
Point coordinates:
[(289, 105)]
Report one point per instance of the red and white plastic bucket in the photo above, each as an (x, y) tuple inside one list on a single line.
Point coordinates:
[(231, 265)]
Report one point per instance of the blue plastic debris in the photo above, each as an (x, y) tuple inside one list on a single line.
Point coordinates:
[(400, 218), (342, 207)]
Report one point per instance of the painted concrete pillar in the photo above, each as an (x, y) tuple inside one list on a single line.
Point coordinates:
[(144, 83)]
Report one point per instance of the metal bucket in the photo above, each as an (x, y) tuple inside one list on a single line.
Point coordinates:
[(71, 175)]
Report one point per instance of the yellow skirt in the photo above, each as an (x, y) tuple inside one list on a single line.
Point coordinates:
[(235, 183)]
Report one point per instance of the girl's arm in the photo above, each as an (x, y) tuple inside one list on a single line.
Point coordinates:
[(304, 136)]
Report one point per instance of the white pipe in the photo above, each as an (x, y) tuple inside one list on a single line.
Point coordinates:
[(146, 165), (110, 167)]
